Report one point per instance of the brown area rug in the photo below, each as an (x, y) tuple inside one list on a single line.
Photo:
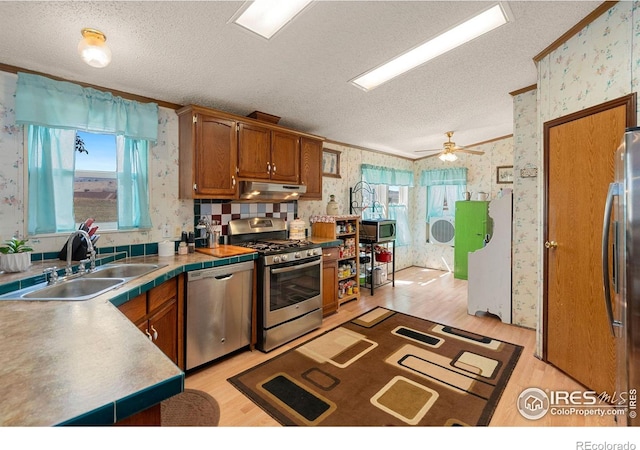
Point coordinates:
[(190, 408), (384, 368)]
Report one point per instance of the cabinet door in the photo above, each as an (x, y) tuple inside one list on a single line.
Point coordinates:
[(215, 157), (254, 152), (163, 329), (311, 168), (329, 280), (285, 157)]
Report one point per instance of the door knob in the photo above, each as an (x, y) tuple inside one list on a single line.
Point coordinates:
[(550, 244)]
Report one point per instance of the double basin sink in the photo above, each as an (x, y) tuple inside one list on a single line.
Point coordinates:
[(84, 287)]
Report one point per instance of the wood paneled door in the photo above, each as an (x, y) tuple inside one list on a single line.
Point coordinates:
[(579, 159)]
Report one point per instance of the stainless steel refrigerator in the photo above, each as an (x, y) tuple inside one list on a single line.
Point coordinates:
[(621, 270)]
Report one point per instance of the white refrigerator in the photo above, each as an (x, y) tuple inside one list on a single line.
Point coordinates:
[(621, 270)]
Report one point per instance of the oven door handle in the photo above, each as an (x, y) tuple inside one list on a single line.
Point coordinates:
[(296, 267)]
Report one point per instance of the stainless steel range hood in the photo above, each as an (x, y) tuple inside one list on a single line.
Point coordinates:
[(260, 191)]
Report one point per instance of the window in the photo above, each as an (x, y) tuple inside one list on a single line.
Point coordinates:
[(53, 112), (390, 187), (95, 187), (444, 188)]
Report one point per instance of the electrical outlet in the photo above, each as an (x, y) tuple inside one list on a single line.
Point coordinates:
[(177, 231), (165, 231)]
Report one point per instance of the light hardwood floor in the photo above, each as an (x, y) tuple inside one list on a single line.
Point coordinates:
[(421, 292)]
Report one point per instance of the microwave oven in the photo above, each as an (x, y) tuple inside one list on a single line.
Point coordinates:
[(378, 230)]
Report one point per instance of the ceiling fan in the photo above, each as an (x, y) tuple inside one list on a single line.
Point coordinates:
[(449, 150)]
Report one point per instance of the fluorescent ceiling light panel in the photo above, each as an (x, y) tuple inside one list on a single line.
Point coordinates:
[(266, 17), (484, 22)]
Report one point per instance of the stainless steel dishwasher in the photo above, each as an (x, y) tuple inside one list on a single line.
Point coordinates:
[(218, 312)]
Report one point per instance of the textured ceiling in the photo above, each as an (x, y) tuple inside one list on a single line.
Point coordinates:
[(188, 53)]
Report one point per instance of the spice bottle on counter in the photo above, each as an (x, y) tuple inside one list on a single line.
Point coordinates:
[(191, 242)]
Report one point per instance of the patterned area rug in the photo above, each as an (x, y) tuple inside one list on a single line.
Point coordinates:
[(384, 368), (190, 408)]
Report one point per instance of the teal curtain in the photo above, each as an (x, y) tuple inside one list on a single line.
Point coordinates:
[(60, 104), (383, 175), (54, 111), (401, 216), (133, 182), (435, 201), (51, 168), (441, 184), (454, 176)]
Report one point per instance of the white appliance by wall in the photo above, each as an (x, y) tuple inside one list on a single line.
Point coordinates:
[(442, 230)]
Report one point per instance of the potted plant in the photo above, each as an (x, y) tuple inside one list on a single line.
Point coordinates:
[(15, 255)]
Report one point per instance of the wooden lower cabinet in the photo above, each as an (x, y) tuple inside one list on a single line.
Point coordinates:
[(159, 314), (329, 280)]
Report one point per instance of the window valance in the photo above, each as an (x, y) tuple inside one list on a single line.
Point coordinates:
[(453, 176), (63, 105), (383, 175)]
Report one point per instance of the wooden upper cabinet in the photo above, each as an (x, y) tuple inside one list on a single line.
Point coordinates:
[(208, 157), (311, 168), (254, 151), (265, 154), (285, 157), (218, 149)]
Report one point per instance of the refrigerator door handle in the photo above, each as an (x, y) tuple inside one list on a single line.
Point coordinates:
[(614, 191)]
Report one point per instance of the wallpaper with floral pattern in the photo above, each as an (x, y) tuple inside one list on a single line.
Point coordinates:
[(598, 64), (526, 249)]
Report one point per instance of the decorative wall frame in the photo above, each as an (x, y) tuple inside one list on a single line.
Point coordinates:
[(504, 174), (330, 163)]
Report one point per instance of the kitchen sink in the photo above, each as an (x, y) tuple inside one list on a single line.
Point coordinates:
[(84, 287), (77, 289), (122, 270)]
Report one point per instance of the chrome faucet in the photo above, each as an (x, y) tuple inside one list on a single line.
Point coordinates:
[(92, 253), (206, 231)]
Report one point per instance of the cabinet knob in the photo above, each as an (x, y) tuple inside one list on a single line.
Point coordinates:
[(233, 181), (551, 244), (195, 187), (148, 335), (268, 167), (274, 168), (155, 333)]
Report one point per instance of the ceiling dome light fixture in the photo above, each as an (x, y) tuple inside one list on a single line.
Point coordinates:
[(93, 49)]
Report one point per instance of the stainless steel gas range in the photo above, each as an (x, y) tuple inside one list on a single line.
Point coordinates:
[(289, 285)]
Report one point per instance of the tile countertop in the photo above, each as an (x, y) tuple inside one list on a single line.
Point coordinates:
[(74, 362)]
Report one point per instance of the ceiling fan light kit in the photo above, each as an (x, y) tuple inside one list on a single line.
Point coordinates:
[(449, 149)]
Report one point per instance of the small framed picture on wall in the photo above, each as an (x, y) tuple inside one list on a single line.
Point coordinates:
[(330, 163), (504, 174)]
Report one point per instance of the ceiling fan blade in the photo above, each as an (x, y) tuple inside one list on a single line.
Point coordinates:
[(431, 150), (435, 154), (472, 152)]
